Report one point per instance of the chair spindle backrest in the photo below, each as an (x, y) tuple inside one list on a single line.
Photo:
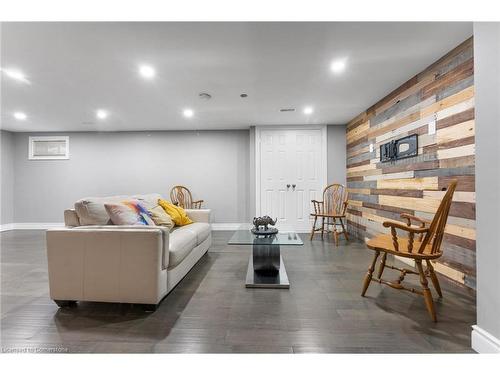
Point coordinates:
[(438, 224), (334, 199), (181, 196)]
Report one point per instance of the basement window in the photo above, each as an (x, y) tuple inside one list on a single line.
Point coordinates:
[(48, 148)]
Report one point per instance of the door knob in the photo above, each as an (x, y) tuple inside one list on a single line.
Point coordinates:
[(287, 186), (293, 186)]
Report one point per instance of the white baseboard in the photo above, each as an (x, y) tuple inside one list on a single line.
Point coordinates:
[(484, 342), (29, 226)]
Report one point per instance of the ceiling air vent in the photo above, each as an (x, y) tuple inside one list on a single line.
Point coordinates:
[(204, 96), (287, 110)]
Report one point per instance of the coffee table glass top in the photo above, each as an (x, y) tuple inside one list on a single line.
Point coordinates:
[(243, 236)]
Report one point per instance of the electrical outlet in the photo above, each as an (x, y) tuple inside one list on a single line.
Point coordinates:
[(371, 147), (432, 127)]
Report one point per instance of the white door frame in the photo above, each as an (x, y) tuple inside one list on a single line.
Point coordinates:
[(324, 147)]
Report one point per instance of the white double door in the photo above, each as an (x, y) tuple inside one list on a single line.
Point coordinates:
[(292, 172)]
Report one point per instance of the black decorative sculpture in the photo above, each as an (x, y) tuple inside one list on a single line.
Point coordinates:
[(261, 225)]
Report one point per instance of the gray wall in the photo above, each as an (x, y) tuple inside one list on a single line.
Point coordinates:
[(487, 91), (218, 166), (336, 154), (7, 177), (213, 164)]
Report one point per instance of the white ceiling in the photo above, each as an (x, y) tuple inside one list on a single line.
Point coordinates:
[(76, 68)]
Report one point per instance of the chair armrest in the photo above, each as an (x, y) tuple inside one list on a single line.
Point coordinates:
[(199, 215), (318, 206), (393, 224), (409, 218), (411, 233), (197, 204)]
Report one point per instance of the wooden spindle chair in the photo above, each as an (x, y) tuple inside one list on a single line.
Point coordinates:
[(331, 208), (181, 196), (422, 244)]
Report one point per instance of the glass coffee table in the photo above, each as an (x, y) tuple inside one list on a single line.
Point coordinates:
[(265, 268)]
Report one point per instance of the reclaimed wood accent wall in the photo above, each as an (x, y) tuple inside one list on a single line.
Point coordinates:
[(443, 92)]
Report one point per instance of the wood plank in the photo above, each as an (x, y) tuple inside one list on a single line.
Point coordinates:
[(462, 209), (399, 192), (454, 109), (420, 204), (460, 241), (397, 210), (458, 162), (363, 167), (459, 131), (458, 231), (463, 96), (458, 196), (457, 118), (465, 183), (358, 132), (389, 176), (462, 71), (424, 183), (433, 164), (456, 152), (358, 191), (457, 143)]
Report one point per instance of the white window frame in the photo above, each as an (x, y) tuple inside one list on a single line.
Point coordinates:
[(32, 140)]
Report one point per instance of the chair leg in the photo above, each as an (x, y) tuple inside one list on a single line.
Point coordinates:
[(323, 227), (368, 277), (429, 303), (335, 233), (343, 229), (314, 227), (434, 278), (382, 265)]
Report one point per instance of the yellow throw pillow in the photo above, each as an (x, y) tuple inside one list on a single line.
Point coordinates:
[(160, 217), (178, 215)]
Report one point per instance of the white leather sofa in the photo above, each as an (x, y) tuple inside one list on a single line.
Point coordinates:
[(91, 260)]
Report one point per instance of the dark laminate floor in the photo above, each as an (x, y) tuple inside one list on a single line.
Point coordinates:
[(211, 311)]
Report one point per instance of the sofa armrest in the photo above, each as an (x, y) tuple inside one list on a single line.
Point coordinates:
[(71, 218), (107, 263), (200, 216), (165, 233)]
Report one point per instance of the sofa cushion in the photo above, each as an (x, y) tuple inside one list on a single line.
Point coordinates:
[(160, 217), (91, 210), (181, 242), (130, 212), (200, 230), (178, 215)]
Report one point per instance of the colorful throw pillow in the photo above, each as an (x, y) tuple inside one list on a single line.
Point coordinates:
[(178, 215), (128, 213), (160, 217)]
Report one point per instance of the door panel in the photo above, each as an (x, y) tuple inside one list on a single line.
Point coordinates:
[(290, 157)]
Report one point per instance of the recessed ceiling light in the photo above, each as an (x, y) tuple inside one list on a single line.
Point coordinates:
[(338, 66), (147, 71), (20, 116), (308, 110), (188, 112), (243, 95), (15, 74), (101, 114)]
